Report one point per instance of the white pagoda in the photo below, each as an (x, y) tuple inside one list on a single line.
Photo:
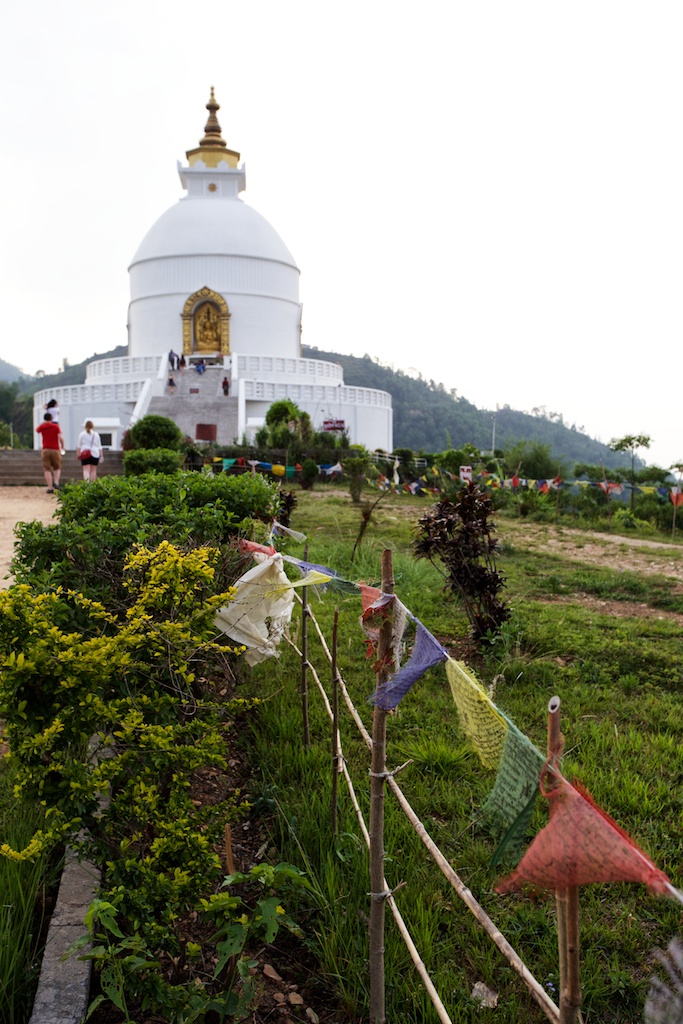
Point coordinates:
[(214, 282)]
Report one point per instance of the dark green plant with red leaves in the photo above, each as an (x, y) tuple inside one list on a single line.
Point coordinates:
[(456, 535)]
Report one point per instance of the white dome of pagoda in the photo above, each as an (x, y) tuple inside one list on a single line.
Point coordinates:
[(216, 226), (210, 248)]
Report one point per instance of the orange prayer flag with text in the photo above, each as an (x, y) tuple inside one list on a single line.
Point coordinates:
[(581, 844), (368, 595)]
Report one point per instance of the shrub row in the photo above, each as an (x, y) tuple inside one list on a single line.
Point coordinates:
[(133, 698)]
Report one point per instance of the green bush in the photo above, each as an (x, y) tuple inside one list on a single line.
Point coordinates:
[(129, 681), (86, 549), (154, 431), (151, 460)]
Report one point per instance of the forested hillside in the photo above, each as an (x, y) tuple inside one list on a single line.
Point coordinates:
[(429, 418)]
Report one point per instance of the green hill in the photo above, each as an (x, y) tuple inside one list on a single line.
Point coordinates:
[(429, 418)]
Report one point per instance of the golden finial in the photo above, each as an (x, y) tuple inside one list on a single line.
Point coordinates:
[(212, 149), (212, 128)]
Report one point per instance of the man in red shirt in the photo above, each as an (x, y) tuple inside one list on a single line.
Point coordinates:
[(51, 455)]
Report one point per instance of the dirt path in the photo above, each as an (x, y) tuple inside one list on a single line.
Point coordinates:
[(624, 554), (20, 505)]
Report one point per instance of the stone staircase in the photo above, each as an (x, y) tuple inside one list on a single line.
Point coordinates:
[(18, 468), (198, 402)]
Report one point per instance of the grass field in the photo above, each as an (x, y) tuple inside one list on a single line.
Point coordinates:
[(595, 622)]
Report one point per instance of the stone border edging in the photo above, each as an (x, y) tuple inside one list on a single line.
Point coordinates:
[(64, 986)]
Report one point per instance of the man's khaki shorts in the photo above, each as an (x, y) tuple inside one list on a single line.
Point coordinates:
[(51, 458)]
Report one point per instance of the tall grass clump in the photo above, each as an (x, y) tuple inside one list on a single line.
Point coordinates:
[(23, 890)]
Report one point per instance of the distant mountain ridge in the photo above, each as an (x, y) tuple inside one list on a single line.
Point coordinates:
[(427, 417), (10, 373)]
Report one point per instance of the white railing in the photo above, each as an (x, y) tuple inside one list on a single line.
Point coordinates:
[(123, 366), (123, 391), (277, 367), (143, 403), (271, 391)]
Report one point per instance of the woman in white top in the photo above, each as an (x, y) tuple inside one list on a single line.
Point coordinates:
[(53, 409), (89, 440)]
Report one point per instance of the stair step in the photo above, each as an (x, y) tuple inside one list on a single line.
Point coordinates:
[(19, 468)]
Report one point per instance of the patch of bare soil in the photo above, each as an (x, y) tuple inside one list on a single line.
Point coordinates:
[(623, 554), (20, 505), (620, 609)]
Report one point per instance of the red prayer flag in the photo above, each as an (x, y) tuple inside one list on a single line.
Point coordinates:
[(676, 496), (581, 844), (250, 545), (368, 595)]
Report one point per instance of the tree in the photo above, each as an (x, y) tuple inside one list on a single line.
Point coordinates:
[(631, 443), (533, 459), (284, 412)]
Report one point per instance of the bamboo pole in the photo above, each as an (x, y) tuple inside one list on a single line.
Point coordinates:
[(335, 724), (304, 661), (541, 996), (377, 778), (441, 1011), (567, 901)]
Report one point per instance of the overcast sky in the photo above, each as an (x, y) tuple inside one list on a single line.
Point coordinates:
[(489, 193)]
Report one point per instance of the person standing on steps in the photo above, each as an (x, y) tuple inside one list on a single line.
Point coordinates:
[(53, 408), (51, 455), (89, 441), (226, 386)]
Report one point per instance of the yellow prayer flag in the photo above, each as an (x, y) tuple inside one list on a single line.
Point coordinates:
[(312, 578), (479, 717)]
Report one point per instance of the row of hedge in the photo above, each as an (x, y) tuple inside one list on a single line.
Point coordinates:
[(113, 683)]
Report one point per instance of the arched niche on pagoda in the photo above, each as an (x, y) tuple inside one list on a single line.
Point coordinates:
[(206, 324)]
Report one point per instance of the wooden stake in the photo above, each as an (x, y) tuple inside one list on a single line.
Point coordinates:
[(304, 660), (335, 724), (567, 901), (673, 527), (377, 779), (227, 844)]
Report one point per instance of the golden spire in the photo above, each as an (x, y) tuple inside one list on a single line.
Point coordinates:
[(212, 128), (212, 149)]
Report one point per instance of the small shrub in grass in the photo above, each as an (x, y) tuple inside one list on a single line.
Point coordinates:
[(151, 460), (458, 534), (356, 469), (309, 474)]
